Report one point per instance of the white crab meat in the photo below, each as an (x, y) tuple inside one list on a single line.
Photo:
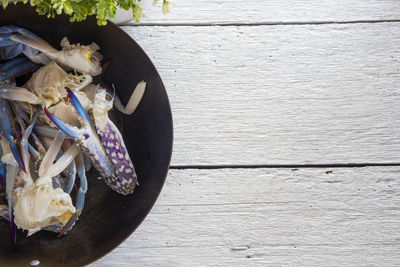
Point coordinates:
[(49, 82), (82, 58), (38, 206), (66, 112)]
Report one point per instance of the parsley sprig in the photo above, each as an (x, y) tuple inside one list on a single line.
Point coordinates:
[(78, 10)]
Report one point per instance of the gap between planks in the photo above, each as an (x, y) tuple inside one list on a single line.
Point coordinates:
[(282, 166), (262, 23), (310, 217), (279, 95)]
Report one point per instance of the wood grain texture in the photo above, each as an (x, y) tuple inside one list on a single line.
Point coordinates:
[(271, 11), (270, 217), (287, 94)]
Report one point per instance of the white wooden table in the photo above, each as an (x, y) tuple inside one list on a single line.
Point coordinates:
[(287, 135)]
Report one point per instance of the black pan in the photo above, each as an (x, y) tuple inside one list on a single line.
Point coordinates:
[(108, 218)]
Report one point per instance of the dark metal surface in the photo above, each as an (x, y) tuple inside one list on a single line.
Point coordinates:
[(108, 218)]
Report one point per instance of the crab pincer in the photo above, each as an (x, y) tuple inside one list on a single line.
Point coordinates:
[(114, 143), (112, 161), (86, 137)]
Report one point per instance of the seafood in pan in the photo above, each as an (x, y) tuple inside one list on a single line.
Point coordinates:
[(54, 126)]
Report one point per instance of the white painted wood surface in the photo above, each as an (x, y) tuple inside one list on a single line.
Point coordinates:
[(270, 11), (270, 217), (303, 91), (280, 94)]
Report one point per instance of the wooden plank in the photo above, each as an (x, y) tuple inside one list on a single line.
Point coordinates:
[(274, 11), (280, 94), (283, 217)]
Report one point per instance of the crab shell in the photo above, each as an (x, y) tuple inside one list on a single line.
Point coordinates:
[(49, 82), (38, 206)]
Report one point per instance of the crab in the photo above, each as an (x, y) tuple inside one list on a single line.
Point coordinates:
[(61, 129)]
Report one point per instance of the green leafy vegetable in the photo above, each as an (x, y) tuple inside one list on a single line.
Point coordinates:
[(78, 10)]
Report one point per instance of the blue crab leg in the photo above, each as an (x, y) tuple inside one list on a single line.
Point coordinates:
[(11, 31), (34, 152), (58, 182), (7, 29), (9, 37), (87, 138), (5, 41), (47, 131), (70, 172), (20, 112), (35, 55), (35, 48), (12, 172), (12, 63), (15, 67), (32, 41), (80, 198), (4, 212), (60, 165), (87, 56), (2, 170), (20, 94), (25, 146), (38, 144), (17, 119), (7, 131), (88, 165), (63, 161), (11, 51), (51, 153), (133, 101)]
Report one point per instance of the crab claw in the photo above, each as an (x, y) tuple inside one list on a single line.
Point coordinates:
[(86, 137), (114, 144), (113, 162), (6, 129)]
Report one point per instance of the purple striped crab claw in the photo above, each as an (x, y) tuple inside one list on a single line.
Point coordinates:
[(84, 59), (112, 161), (113, 141)]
